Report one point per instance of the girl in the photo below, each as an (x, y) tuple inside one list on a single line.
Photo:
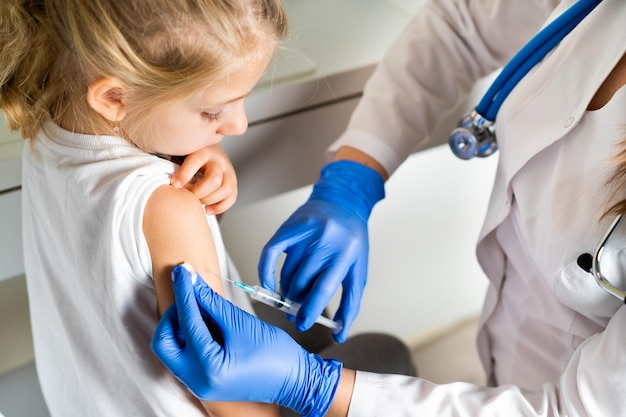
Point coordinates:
[(100, 89)]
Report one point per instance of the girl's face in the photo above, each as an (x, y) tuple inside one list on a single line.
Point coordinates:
[(185, 126)]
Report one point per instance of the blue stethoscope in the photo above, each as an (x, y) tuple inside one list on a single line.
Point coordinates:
[(475, 133)]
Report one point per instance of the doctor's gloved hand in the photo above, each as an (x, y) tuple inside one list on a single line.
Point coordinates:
[(240, 358), (326, 244)]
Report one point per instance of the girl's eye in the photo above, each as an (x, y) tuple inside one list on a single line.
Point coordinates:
[(212, 117)]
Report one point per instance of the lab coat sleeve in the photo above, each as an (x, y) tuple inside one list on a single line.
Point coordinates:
[(429, 70), (591, 386)]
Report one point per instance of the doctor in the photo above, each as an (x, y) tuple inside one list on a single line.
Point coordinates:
[(552, 342)]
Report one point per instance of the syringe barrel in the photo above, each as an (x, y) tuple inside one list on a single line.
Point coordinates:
[(276, 300)]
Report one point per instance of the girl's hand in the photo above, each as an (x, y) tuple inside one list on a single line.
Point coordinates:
[(210, 176)]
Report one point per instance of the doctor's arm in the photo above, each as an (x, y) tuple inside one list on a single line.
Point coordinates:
[(176, 230)]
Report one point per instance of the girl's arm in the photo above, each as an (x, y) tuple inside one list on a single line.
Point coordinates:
[(176, 230)]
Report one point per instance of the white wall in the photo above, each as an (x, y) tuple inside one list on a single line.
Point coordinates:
[(423, 275)]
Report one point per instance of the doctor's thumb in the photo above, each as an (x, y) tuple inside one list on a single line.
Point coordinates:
[(195, 288)]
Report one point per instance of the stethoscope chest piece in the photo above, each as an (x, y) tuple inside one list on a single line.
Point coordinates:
[(474, 136)]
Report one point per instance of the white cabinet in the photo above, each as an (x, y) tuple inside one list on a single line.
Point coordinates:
[(10, 205), (286, 153), (11, 264)]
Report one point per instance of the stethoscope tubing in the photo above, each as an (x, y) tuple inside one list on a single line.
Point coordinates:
[(533, 52), (601, 280)]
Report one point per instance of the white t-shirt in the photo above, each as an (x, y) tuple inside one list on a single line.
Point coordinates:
[(89, 277)]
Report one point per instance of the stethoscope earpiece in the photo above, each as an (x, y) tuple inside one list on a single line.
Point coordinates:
[(473, 136)]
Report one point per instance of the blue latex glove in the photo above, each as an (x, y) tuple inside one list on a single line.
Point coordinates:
[(241, 358), (326, 243)]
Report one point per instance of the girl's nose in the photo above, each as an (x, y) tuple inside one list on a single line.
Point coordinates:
[(235, 122)]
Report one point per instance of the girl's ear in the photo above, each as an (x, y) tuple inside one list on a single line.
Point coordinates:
[(107, 97)]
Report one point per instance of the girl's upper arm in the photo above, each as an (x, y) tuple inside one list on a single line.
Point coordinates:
[(176, 230)]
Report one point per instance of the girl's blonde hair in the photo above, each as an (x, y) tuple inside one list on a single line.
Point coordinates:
[(160, 49)]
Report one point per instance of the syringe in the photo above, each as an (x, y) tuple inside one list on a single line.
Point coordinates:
[(270, 298), (276, 300)]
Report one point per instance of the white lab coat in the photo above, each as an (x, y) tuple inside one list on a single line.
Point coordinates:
[(552, 342)]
